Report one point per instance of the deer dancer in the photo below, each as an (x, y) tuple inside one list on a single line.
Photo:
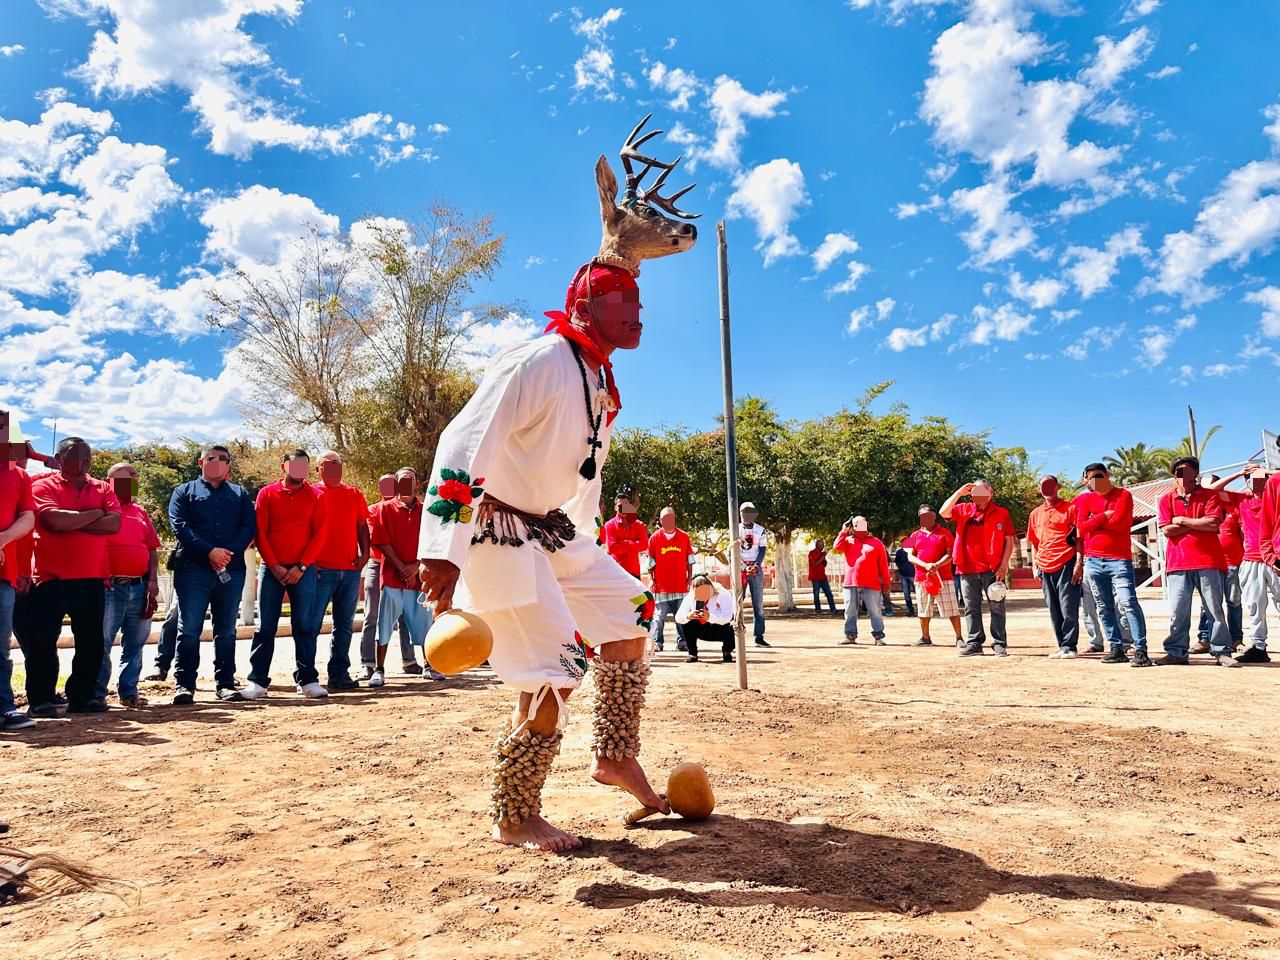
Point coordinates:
[(511, 527)]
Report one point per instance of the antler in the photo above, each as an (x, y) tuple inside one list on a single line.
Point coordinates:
[(630, 151)]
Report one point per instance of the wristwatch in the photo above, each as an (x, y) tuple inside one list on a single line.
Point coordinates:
[(302, 567)]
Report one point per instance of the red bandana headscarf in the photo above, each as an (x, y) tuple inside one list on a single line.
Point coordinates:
[(592, 279)]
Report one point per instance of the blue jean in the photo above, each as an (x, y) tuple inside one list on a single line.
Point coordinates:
[(1232, 604), (755, 583), (302, 598), (1112, 584), (1182, 584), (396, 603), (8, 596), (825, 587), (123, 615), (1062, 597), (201, 593), (167, 645), (872, 598), (342, 587), (661, 610), (908, 585)]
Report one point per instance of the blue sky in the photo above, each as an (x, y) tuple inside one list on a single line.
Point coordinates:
[(1053, 220)]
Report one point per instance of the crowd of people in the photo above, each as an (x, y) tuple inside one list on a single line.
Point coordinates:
[(83, 549)]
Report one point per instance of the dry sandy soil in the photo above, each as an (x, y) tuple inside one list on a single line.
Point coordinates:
[(885, 803)]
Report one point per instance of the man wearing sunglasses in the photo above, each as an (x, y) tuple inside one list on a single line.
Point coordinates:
[(984, 543), (1104, 516), (213, 520), (1189, 517)]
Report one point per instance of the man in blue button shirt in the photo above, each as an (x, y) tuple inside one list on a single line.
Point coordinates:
[(214, 522)]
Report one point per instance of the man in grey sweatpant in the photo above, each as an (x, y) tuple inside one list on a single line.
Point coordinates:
[(372, 596)]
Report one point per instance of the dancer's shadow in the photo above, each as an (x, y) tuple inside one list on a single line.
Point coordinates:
[(832, 868)]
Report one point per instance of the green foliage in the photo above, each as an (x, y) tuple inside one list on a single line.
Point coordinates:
[(1137, 464), (160, 469)]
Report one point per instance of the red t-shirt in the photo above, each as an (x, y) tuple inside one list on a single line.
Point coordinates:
[(1231, 533), (1269, 542), (1048, 529), (290, 524), (931, 545), (626, 541), (1102, 538), (866, 559), (670, 556), (1195, 549), (15, 498), (391, 522), (817, 565), (76, 555), (1250, 511), (980, 536), (129, 551), (346, 510)]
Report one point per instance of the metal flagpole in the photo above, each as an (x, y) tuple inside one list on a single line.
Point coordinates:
[(731, 457)]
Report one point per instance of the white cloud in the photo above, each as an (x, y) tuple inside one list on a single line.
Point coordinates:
[(1164, 72), (438, 129), (1269, 299), (1272, 130), (1102, 337), (680, 84), (593, 72), (11, 49), (730, 106), (260, 223), (850, 283), (857, 318), (941, 172), (531, 262), (833, 246), (594, 28), (1003, 323), (1114, 59), (1140, 8), (1221, 370), (1063, 316), (1091, 270), (884, 307), (907, 210), (772, 195), (901, 338), (1040, 293), (997, 232), (203, 50), (1155, 342), (486, 339)]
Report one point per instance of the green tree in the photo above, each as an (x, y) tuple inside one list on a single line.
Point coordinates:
[(1183, 448), (1137, 464)]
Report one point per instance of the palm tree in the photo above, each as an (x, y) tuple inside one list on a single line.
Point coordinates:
[(1136, 464), (1183, 449)]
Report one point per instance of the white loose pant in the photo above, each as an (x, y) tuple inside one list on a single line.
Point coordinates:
[(1258, 583)]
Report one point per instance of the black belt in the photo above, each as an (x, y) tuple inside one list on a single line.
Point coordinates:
[(126, 579)]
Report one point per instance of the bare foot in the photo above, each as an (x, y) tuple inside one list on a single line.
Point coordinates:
[(629, 775), (536, 834)]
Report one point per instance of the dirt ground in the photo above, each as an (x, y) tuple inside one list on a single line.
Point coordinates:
[(880, 803)]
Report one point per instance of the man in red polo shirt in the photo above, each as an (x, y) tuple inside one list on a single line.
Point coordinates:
[(1104, 515), (342, 556), (1259, 580), (1231, 536), (372, 579), (17, 519), (394, 528), (290, 519), (984, 543), (625, 537), (75, 516), (1189, 517), (866, 575), (670, 556), (930, 550), (818, 577), (1051, 533), (133, 591)]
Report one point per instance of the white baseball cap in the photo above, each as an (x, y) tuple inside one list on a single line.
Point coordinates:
[(748, 507), (860, 524)]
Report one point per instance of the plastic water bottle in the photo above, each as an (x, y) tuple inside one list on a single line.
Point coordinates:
[(223, 576)]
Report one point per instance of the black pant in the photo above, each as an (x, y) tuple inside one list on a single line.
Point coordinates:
[(721, 633), (84, 601)]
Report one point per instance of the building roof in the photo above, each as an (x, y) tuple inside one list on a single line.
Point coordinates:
[(1146, 497)]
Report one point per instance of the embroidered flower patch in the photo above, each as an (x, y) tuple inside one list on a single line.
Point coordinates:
[(454, 495), (644, 609), (573, 661)]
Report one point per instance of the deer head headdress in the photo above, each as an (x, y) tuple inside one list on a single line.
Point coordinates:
[(637, 227)]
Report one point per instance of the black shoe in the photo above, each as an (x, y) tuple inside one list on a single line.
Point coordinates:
[(413, 668), (89, 706), (971, 650), (1140, 659), (157, 676), (728, 658), (343, 683), (1115, 656), (185, 698), (43, 711), (1170, 660), (1253, 655), (762, 642), (924, 642), (59, 700), (226, 694), (682, 646), (690, 659), (1093, 649)]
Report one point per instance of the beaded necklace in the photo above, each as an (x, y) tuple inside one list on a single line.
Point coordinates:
[(588, 468)]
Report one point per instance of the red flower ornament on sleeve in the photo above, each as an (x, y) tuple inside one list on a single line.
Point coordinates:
[(454, 495)]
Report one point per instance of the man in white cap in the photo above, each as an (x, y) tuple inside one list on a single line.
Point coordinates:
[(984, 543), (751, 549), (866, 574)]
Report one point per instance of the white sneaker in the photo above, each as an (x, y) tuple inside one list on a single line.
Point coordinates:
[(365, 673), (434, 674), (253, 691), (313, 691), (1066, 653), (377, 679)]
